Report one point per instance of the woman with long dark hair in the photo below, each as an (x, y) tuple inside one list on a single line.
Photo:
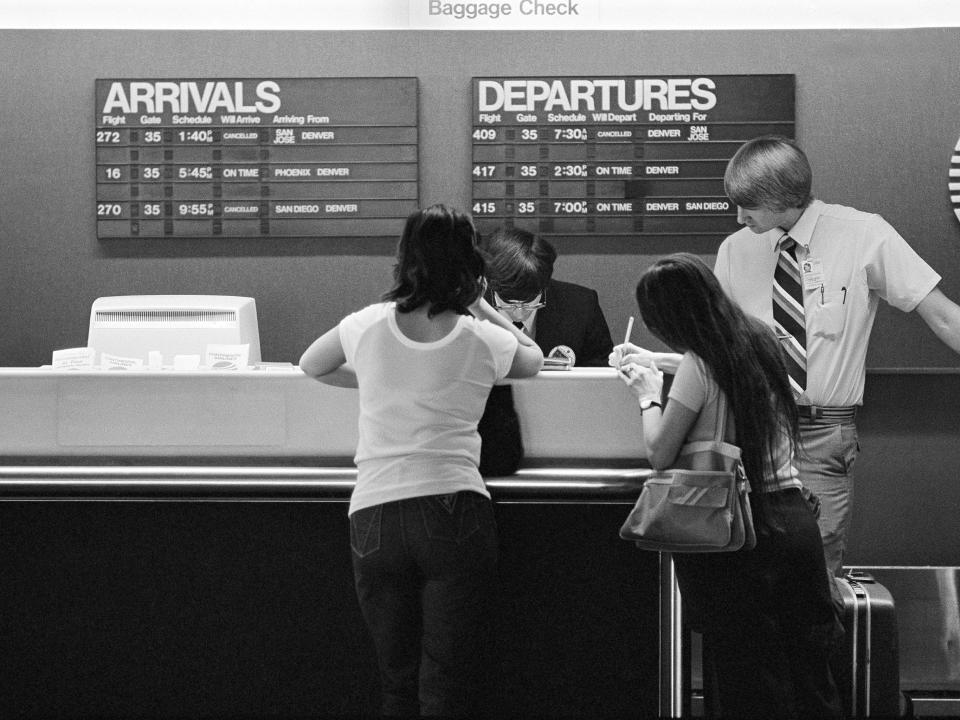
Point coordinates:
[(768, 622), (421, 521)]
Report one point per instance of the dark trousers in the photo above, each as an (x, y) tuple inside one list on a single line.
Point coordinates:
[(767, 618), (424, 570)]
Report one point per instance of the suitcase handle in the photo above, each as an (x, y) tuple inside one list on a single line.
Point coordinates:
[(860, 576)]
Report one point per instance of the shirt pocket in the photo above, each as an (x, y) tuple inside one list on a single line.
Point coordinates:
[(829, 315)]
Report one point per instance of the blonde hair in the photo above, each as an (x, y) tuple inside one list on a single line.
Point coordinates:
[(770, 172)]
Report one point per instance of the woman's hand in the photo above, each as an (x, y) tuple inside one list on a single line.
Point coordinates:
[(630, 353), (646, 382)]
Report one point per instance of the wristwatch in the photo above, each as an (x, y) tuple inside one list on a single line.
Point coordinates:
[(647, 403)]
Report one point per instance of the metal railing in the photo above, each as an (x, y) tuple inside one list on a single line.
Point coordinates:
[(191, 483)]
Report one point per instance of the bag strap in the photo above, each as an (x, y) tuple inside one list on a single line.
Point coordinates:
[(721, 424), (721, 441), (719, 444), (723, 448)]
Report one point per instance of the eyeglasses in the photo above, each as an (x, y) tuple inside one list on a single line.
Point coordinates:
[(540, 301)]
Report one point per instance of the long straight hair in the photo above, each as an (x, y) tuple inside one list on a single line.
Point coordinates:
[(683, 304), (438, 263)]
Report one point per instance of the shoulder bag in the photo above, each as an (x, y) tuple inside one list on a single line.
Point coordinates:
[(700, 505)]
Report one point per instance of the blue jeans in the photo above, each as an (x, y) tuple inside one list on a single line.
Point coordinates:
[(825, 461), (424, 570)]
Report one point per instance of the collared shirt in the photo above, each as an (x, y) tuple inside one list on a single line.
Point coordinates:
[(849, 260), (530, 324)]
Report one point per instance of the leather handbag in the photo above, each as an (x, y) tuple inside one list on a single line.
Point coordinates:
[(700, 505)]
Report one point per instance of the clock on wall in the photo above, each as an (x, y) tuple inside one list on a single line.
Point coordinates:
[(954, 184)]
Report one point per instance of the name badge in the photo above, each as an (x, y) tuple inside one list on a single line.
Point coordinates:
[(812, 270)]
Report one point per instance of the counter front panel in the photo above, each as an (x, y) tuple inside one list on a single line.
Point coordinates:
[(580, 414)]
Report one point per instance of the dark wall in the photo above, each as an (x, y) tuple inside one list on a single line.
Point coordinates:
[(247, 610), (876, 111), (907, 478)]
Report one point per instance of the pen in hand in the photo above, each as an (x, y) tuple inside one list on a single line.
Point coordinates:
[(626, 339)]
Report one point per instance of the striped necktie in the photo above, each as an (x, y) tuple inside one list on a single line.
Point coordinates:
[(788, 315)]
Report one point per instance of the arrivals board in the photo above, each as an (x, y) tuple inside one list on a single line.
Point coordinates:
[(617, 156), (255, 158)]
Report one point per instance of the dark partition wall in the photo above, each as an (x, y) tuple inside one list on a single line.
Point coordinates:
[(247, 610), (876, 111)]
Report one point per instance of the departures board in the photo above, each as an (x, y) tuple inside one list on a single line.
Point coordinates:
[(261, 158), (623, 156)]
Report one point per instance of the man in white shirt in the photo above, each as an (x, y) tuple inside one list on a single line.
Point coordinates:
[(845, 261), (841, 262)]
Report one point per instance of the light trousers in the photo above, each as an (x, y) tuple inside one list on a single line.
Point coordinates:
[(825, 461)]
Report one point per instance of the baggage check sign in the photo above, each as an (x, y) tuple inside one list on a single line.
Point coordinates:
[(262, 158), (617, 156)]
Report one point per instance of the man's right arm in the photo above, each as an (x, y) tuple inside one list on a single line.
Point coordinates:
[(942, 315)]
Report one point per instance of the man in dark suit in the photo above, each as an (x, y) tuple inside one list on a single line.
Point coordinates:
[(573, 620), (558, 315)]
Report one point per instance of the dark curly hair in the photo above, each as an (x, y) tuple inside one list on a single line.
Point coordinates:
[(437, 262)]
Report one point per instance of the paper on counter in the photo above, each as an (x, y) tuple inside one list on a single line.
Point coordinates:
[(73, 358), (117, 362), (227, 357)]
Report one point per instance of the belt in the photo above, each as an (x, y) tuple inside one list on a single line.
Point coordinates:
[(815, 412)]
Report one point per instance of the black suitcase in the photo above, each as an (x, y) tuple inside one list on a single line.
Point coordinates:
[(867, 669)]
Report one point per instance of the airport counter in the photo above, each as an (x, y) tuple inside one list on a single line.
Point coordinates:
[(176, 545), (583, 415)]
